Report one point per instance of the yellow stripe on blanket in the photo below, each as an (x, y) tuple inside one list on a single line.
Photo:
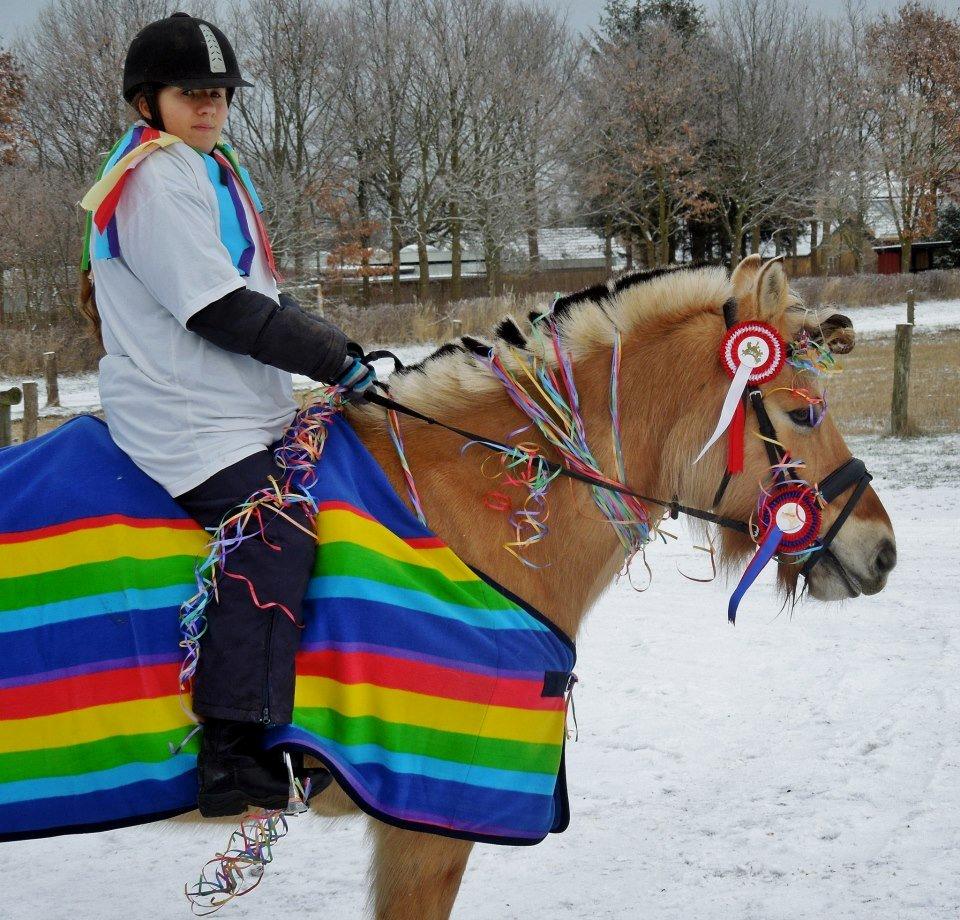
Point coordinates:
[(406, 707), (339, 526), (99, 544), (137, 717)]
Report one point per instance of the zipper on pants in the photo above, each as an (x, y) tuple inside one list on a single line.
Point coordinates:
[(265, 711)]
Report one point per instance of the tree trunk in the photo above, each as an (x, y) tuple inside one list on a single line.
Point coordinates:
[(755, 238), (395, 239), (491, 258), (906, 254), (533, 246), (628, 249), (533, 220), (423, 282), (649, 253), (456, 229), (663, 225), (736, 240), (31, 405), (456, 253), (814, 243), (608, 246), (363, 211)]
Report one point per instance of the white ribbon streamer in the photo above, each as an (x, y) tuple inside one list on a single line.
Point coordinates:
[(734, 394)]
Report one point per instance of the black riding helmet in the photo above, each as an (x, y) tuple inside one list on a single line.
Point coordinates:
[(180, 50)]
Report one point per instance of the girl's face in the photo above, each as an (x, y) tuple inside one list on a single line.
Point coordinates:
[(196, 116)]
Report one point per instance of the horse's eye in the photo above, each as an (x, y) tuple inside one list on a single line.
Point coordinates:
[(803, 417)]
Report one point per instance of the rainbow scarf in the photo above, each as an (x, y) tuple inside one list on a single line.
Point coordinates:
[(435, 697), (230, 180)]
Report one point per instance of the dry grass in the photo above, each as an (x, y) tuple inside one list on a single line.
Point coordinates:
[(22, 348), (860, 396), (877, 290), (411, 323)]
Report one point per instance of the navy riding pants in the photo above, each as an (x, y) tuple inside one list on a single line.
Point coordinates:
[(246, 669)]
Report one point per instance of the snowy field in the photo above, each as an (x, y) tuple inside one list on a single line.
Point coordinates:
[(79, 393), (789, 768)]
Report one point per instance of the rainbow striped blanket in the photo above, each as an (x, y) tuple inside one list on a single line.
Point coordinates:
[(435, 697)]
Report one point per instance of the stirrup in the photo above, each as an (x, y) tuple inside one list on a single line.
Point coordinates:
[(297, 794)]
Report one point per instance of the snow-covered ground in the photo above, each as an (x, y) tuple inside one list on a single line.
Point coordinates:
[(789, 768), (79, 393)]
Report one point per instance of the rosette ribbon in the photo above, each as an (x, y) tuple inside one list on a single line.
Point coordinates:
[(788, 521), (751, 353)]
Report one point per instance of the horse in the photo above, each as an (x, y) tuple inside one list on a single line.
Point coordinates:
[(671, 323)]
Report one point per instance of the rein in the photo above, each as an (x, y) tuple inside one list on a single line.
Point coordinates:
[(674, 507), (852, 473)]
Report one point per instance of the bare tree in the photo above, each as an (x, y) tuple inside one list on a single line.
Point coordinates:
[(12, 95), (287, 125), (757, 168), (73, 58), (388, 56), (915, 100), (642, 153), (545, 65)]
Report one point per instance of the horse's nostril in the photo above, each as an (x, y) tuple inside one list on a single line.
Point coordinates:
[(886, 557)]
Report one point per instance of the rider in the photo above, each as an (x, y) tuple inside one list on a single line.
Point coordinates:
[(196, 380)]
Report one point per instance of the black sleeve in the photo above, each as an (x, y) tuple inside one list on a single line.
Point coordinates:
[(282, 335)]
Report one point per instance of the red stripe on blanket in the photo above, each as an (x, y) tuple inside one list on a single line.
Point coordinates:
[(72, 693), (91, 523), (428, 679)]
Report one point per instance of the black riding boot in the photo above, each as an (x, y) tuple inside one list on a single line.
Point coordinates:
[(235, 773)]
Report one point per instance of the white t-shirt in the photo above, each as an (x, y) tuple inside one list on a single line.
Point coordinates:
[(181, 407)]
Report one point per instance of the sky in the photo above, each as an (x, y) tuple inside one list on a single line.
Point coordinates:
[(583, 14)]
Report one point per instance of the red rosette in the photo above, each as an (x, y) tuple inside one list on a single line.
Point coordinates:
[(795, 511), (756, 344)]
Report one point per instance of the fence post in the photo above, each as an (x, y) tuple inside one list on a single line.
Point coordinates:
[(8, 398), (30, 410), (901, 380), (50, 373)]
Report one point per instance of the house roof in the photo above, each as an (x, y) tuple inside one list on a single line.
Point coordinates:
[(921, 244)]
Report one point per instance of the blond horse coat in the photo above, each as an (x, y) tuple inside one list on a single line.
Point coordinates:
[(672, 386)]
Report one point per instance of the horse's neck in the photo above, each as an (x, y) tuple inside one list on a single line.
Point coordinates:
[(580, 554)]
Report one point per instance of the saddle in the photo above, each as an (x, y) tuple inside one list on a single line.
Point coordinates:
[(434, 696)]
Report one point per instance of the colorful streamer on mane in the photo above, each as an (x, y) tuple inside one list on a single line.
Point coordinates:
[(548, 396)]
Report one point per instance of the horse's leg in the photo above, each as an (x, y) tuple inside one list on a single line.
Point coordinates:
[(415, 876)]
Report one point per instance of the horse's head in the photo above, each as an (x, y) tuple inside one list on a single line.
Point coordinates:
[(863, 551)]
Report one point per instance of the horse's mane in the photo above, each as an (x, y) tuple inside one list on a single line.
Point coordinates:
[(587, 319)]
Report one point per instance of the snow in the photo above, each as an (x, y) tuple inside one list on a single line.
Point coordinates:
[(791, 767), (929, 316), (80, 393)]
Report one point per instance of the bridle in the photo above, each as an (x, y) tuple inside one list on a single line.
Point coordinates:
[(851, 473)]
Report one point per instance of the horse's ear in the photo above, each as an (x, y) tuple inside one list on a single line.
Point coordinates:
[(833, 330), (773, 293), (744, 276)]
